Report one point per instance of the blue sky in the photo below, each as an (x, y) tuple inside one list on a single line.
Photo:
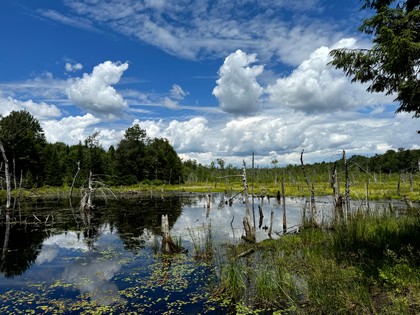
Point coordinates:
[(218, 79)]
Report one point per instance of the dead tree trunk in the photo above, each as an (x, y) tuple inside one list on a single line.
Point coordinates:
[(7, 176), (284, 206), (86, 202), (248, 226), (311, 191), (74, 181), (335, 186), (367, 195), (168, 245), (347, 185)]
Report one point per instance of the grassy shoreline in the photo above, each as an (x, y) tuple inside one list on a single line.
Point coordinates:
[(388, 190)]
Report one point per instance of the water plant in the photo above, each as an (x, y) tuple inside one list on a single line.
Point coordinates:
[(202, 241)]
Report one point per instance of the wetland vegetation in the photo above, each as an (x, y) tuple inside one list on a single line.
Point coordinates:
[(330, 237)]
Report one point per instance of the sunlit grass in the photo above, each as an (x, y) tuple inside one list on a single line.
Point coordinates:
[(368, 264), (383, 187)]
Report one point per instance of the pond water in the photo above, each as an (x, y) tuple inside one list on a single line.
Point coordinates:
[(55, 261)]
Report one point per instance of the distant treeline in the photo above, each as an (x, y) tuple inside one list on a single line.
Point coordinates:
[(137, 158), (390, 163)]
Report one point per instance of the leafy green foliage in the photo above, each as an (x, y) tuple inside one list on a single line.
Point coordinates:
[(136, 159), (392, 65), (23, 140)]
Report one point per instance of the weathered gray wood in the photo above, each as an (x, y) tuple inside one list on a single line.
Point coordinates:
[(168, 245), (284, 206), (74, 181), (247, 221), (347, 196), (7, 176)]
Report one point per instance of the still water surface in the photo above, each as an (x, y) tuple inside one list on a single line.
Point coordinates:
[(53, 261)]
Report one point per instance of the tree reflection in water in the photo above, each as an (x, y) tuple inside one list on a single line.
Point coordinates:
[(22, 239)]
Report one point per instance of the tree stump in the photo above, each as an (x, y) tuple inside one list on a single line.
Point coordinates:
[(168, 245)]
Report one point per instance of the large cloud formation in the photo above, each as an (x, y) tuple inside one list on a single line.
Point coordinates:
[(237, 89), (94, 92), (316, 86)]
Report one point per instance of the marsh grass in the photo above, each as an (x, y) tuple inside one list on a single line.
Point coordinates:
[(369, 264), (366, 237), (202, 241), (383, 188)]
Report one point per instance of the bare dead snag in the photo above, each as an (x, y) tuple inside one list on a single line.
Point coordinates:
[(168, 245), (335, 185), (284, 206), (74, 181), (311, 190), (367, 194), (7, 175), (347, 202), (247, 221), (308, 184)]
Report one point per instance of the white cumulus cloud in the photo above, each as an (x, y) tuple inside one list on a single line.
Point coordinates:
[(316, 86), (237, 88), (94, 92), (185, 136), (70, 130), (38, 110)]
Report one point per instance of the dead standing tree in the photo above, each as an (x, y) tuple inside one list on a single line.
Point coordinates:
[(168, 245), (248, 225), (7, 177), (312, 206), (338, 198), (347, 202), (86, 203)]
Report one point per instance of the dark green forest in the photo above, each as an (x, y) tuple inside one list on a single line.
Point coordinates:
[(34, 162), (137, 158)]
